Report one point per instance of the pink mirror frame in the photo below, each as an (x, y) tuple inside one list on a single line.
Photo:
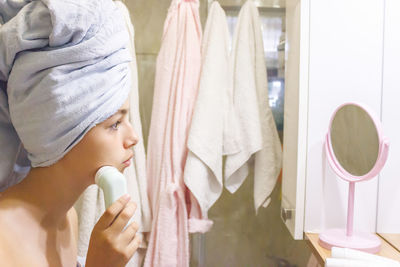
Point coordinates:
[(382, 155), (346, 238)]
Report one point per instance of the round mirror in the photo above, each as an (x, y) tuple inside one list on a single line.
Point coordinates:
[(355, 140), (356, 150), (354, 143)]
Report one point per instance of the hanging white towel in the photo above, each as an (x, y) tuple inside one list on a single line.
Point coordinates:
[(90, 205), (259, 136), (212, 131)]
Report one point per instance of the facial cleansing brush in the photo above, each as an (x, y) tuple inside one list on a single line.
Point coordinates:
[(113, 183)]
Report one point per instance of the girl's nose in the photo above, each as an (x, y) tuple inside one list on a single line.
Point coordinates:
[(132, 138)]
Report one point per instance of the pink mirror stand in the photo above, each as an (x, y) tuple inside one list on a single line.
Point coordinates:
[(348, 238)]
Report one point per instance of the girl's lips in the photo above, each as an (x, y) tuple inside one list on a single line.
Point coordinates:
[(127, 162)]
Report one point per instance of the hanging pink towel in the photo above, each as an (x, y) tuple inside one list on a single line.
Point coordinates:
[(174, 209)]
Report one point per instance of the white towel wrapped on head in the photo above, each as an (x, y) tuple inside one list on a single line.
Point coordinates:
[(64, 67)]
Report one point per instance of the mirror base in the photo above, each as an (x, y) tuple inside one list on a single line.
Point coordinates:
[(361, 241)]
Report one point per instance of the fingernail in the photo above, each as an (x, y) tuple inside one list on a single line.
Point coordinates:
[(126, 197)]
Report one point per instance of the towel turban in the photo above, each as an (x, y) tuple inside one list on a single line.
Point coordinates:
[(63, 69)]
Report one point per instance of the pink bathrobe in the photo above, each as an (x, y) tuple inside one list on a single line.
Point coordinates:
[(175, 210)]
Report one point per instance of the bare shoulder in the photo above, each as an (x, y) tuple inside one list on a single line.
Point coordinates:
[(6, 253), (5, 259)]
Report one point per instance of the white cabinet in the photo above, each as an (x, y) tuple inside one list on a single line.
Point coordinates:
[(295, 116), (335, 52)]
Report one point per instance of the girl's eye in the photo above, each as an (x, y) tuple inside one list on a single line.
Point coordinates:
[(115, 125)]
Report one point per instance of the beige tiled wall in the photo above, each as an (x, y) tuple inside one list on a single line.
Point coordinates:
[(238, 237)]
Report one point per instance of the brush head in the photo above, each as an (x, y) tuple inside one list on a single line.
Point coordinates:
[(102, 171)]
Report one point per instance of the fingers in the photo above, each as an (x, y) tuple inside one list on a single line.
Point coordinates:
[(112, 212), (134, 245), (129, 241), (130, 232), (123, 217), (127, 253)]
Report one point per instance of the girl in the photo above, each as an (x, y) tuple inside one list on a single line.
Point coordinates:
[(64, 85), (38, 224)]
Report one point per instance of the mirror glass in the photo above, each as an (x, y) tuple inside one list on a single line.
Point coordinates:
[(355, 140)]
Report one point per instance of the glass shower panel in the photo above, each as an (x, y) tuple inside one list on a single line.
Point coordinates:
[(239, 237)]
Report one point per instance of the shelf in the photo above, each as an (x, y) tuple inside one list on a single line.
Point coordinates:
[(393, 239), (387, 250)]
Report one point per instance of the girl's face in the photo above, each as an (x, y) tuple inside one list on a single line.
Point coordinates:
[(109, 143)]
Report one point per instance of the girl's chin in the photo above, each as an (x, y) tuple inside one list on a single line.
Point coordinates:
[(121, 169)]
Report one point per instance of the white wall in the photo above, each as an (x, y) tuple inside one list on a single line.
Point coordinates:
[(346, 40), (345, 62), (388, 219)]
